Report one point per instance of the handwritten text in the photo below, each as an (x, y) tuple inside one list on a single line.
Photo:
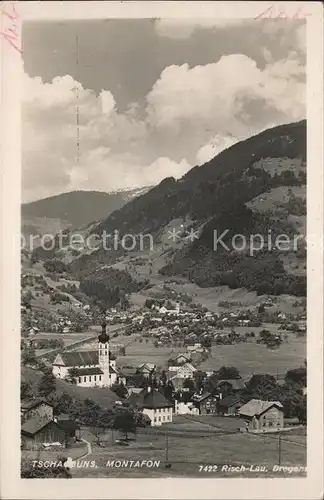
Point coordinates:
[(10, 34)]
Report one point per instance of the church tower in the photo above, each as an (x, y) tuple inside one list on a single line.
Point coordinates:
[(103, 347)]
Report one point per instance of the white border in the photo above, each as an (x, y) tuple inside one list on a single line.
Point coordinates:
[(11, 485)]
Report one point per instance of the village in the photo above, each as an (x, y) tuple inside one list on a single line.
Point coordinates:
[(159, 368)]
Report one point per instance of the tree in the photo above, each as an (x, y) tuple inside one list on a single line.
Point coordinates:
[(297, 375), (73, 375), (28, 355), (301, 410), (200, 378), (25, 388), (228, 372), (262, 386), (120, 390), (46, 385), (163, 378), (125, 421)]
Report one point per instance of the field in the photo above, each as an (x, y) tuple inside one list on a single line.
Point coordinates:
[(248, 358), (191, 444), (251, 358)]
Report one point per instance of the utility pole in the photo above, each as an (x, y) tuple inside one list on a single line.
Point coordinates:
[(279, 448), (167, 465)]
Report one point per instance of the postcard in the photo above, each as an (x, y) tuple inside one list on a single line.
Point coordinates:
[(162, 250)]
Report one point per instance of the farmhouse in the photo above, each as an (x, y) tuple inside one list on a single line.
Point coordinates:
[(230, 386), (207, 403), (90, 368), (260, 416), (31, 407), (153, 404), (146, 369), (38, 430), (185, 370), (229, 405)]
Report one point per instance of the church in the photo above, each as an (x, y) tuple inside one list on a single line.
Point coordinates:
[(91, 368)]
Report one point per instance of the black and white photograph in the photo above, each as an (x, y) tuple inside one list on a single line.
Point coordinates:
[(163, 262)]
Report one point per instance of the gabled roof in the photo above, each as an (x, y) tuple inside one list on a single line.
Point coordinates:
[(230, 400), (35, 424), (256, 407), (90, 371), (29, 404), (80, 358), (151, 399), (236, 383), (202, 397)]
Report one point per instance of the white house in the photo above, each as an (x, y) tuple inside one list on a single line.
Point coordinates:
[(153, 404), (94, 368), (185, 409), (182, 371)]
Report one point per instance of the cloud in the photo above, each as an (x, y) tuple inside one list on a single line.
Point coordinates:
[(75, 138), (214, 147), (227, 96), (104, 150)]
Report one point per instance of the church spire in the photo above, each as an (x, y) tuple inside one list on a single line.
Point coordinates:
[(103, 337)]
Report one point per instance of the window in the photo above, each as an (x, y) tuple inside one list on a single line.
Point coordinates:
[(84, 379), (155, 419), (95, 377), (99, 377), (159, 419), (163, 417), (80, 380), (90, 378)]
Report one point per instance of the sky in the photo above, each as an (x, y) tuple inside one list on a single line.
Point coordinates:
[(117, 104)]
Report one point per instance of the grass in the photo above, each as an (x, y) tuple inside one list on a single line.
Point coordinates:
[(251, 358), (104, 396), (188, 451)]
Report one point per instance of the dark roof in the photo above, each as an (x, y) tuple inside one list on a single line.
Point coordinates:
[(230, 400), (236, 383), (149, 399), (103, 338), (28, 404), (202, 397), (35, 424), (80, 358), (128, 370), (90, 371)]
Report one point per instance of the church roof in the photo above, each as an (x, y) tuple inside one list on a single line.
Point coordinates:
[(80, 358), (90, 371)]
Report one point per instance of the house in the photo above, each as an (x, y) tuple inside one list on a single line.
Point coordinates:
[(179, 360), (92, 368), (230, 386), (38, 430), (185, 370), (185, 408), (32, 407), (229, 405), (146, 369), (260, 416), (207, 403), (153, 404)]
